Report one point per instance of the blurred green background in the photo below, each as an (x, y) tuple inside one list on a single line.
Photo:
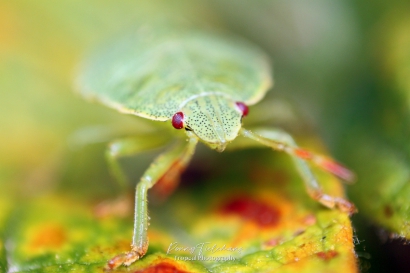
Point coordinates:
[(344, 65)]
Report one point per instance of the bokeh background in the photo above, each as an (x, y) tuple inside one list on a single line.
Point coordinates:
[(344, 65)]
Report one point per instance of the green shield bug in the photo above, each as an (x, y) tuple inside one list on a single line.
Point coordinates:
[(198, 81)]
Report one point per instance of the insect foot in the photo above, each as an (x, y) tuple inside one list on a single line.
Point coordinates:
[(126, 258), (335, 202)]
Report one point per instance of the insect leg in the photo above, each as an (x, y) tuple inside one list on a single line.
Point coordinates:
[(122, 147), (282, 141), (126, 147), (178, 156)]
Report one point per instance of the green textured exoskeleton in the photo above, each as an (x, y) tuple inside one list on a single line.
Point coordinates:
[(196, 80)]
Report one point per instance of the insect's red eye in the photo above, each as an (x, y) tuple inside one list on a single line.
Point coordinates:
[(243, 108), (178, 120)]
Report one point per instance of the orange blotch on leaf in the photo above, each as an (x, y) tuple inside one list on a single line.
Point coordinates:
[(49, 236), (9, 27)]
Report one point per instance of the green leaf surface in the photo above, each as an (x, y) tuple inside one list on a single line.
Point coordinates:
[(383, 191), (378, 138), (394, 46)]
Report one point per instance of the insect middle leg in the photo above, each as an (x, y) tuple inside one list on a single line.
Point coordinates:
[(282, 141), (177, 157), (119, 148), (129, 146)]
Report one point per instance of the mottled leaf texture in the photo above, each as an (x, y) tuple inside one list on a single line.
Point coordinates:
[(252, 216)]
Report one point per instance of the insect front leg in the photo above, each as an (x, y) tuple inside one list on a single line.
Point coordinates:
[(176, 157), (282, 141)]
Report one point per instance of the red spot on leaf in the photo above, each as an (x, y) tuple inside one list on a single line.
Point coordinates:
[(273, 242), (254, 210), (327, 255), (309, 220), (163, 267)]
